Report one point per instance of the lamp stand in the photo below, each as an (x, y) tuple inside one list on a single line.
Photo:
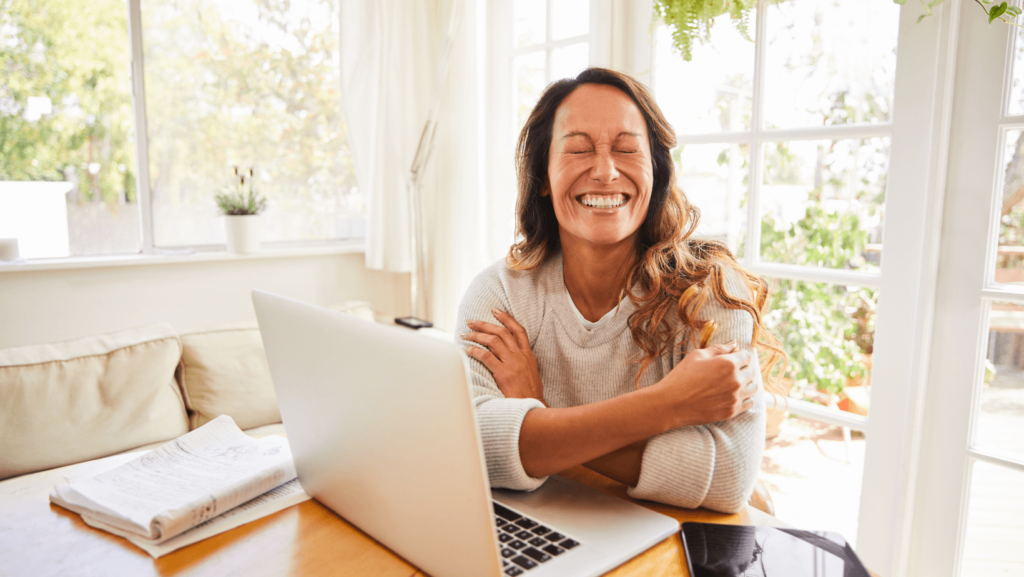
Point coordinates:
[(419, 283)]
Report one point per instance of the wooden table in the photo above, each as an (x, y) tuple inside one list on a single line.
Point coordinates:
[(40, 539)]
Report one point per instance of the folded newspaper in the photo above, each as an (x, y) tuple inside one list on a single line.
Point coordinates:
[(203, 483)]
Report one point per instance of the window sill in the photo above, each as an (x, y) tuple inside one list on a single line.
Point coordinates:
[(179, 257)]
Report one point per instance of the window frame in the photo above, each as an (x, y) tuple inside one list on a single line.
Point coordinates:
[(967, 291), (906, 281), (756, 137), (149, 252), (142, 184)]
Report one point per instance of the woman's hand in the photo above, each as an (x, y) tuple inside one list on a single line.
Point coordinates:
[(712, 384), (508, 356)]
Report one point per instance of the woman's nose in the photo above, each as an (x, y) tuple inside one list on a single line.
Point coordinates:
[(604, 168)]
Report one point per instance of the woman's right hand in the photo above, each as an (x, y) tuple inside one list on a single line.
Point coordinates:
[(710, 385)]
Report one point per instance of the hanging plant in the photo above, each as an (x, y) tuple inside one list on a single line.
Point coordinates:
[(692, 19), (1001, 11)]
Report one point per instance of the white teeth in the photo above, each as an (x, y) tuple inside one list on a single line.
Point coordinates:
[(603, 200)]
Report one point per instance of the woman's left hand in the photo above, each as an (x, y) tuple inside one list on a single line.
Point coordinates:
[(508, 356)]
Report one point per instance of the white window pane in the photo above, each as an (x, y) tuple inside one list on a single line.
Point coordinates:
[(1009, 267), (714, 179), (1000, 422), (830, 62), (823, 201), (569, 18), (994, 538), (828, 331), (569, 61), (529, 83), (530, 22), (712, 92), (1016, 105), (67, 143), (231, 84)]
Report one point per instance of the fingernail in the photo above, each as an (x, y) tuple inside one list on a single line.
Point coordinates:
[(470, 323), (496, 312)]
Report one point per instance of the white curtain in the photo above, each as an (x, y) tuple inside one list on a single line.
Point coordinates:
[(475, 194), (388, 66), (390, 50)]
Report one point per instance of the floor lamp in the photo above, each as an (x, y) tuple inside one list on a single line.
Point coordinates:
[(419, 283)]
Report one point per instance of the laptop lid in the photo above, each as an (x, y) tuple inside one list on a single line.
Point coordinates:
[(382, 430)]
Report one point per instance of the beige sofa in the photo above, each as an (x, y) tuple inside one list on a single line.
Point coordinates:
[(69, 402)]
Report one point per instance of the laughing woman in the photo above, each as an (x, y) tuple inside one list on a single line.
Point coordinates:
[(586, 341)]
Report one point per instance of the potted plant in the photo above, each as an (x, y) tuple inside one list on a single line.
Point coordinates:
[(242, 205)]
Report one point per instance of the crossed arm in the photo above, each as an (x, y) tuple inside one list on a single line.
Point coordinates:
[(611, 436)]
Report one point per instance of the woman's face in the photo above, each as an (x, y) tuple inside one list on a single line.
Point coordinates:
[(599, 167)]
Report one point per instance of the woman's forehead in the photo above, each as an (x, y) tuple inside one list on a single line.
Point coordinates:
[(593, 109)]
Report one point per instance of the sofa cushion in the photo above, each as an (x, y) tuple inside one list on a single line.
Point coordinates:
[(67, 402), (224, 372)]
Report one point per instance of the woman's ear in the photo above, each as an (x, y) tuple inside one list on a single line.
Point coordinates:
[(545, 190)]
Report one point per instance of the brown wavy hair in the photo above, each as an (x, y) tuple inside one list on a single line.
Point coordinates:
[(673, 270)]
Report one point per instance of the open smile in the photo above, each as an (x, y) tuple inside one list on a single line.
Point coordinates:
[(605, 201)]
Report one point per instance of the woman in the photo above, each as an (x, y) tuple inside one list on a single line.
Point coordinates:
[(584, 339)]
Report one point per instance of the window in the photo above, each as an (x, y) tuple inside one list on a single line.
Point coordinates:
[(254, 86), (551, 41), (784, 146), (226, 84), (67, 145)]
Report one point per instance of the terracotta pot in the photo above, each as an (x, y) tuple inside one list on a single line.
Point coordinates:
[(856, 394), (856, 400)]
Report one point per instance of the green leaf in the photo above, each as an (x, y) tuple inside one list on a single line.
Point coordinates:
[(1014, 10), (900, 2), (922, 17), (996, 12)]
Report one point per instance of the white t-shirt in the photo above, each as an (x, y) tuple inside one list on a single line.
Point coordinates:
[(583, 321)]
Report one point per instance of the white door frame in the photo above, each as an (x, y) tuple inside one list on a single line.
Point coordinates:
[(964, 289), (914, 206)]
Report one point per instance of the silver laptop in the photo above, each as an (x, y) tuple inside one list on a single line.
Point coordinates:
[(382, 429)]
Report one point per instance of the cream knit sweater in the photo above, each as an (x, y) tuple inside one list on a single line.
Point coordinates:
[(713, 465)]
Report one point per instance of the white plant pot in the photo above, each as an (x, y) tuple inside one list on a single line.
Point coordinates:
[(243, 233)]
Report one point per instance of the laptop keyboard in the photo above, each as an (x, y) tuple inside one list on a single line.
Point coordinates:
[(525, 543)]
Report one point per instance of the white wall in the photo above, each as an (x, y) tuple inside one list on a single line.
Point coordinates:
[(54, 305)]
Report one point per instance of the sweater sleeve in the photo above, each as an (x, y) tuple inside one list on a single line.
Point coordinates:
[(498, 418), (713, 465)]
